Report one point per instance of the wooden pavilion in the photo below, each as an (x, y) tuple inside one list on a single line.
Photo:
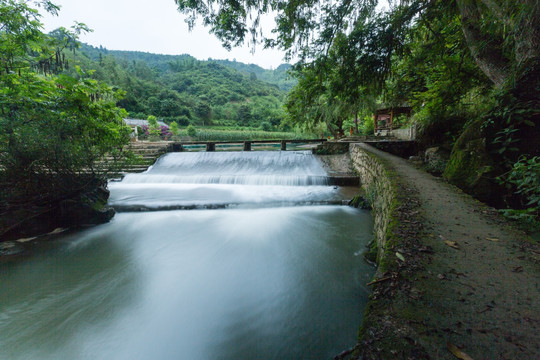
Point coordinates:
[(384, 118)]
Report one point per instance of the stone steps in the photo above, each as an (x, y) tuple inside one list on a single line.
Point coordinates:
[(147, 153)]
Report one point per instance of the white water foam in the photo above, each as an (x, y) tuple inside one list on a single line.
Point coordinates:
[(208, 179)]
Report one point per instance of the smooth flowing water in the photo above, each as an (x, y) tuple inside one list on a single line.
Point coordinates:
[(274, 275)]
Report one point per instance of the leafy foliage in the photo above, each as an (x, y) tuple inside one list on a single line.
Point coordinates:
[(191, 131), (525, 178), (53, 128)]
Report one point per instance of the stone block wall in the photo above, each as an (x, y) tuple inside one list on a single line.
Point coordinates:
[(401, 134), (404, 133), (331, 148), (379, 189), (400, 148)]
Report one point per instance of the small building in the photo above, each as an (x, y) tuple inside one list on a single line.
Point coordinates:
[(384, 118), (134, 123)]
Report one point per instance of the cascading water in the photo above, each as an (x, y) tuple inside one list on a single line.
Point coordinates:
[(213, 179), (273, 273)]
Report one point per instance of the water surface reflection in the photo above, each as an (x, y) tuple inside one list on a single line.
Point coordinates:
[(265, 283)]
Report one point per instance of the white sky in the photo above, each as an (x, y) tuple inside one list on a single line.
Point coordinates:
[(151, 26)]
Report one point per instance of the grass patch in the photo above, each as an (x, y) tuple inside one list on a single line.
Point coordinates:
[(210, 134)]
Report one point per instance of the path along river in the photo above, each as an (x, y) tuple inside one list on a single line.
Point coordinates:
[(237, 255)]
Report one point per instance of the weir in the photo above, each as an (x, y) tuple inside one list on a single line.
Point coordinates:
[(218, 179), (150, 152)]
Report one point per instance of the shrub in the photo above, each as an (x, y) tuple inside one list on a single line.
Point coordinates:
[(165, 133), (191, 131), (368, 126), (525, 178), (174, 128), (266, 126), (182, 120), (152, 121)]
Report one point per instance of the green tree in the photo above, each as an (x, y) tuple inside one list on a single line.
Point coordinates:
[(244, 115), (54, 129), (503, 35), (174, 128), (266, 126), (153, 128), (204, 112), (191, 131)]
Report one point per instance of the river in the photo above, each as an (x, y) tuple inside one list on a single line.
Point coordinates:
[(237, 255)]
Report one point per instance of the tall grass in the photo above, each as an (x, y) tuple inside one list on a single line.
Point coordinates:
[(243, 135)]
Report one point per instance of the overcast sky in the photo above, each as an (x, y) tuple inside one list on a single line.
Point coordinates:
[(151, 26)]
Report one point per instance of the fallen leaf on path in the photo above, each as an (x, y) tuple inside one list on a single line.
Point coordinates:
[(458, 353), (492, 239), (487, 308), (56, 231), (452, 244), (23, 240), (400, 257), (426, 249), (379, 280)]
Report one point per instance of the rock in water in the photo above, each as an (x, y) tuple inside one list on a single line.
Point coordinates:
[(10, 248), (89, 208)]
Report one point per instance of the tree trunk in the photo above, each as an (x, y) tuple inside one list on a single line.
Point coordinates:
[(489, 58), (522, 28)]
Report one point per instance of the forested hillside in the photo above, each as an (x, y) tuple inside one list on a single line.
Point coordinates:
[(183, 89), (279, 76)]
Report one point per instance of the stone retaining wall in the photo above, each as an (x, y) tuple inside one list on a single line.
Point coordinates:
[(401, 134), (400, 148), (331, 148), (386, 328), (379, 190)]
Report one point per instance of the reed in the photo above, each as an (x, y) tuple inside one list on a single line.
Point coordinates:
[(243, 135)]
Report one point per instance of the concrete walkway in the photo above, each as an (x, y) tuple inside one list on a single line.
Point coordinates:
[(480, 288)]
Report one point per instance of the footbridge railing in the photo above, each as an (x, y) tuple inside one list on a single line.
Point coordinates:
[(211, 145)]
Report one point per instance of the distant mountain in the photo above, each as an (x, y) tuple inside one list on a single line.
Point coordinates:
[(278, 77), (186, 90), (157, 61)]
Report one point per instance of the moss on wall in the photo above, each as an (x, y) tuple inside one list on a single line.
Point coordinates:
[(470, 168), (385, 329)]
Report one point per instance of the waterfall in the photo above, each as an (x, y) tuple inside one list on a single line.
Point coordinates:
[(298, 168), (214, 179)]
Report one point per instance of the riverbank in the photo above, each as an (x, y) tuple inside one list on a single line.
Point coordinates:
[(27, 217), (454, 278)]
